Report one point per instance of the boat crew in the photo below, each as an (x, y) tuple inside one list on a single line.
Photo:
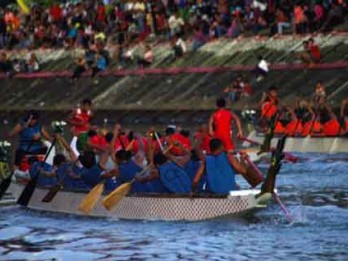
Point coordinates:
[(220, 169), (220, 125), (30, 133)]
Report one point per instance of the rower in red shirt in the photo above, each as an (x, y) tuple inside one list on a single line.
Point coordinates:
[(220, 125), (173, 138), (202, 136), (81, 117)]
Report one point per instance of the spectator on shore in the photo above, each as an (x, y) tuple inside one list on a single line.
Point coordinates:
[(80, 68), (262, 69), (176, 24), (311, 53), (100, 65), (178, 46), (33, 64), (147, 59), (199, 39), (5, 64), (282, 21)]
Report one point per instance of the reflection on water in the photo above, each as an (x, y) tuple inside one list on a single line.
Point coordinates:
[(315, 190)]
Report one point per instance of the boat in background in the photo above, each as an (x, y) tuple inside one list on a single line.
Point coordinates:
[(305, 144)]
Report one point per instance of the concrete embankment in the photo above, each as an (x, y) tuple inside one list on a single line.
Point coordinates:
[(189, 94)]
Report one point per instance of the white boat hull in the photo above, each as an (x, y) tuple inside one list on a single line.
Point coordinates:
[(306, 144), (148, 207)]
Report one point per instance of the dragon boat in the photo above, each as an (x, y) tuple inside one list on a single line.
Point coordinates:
[(316, 144), (150, 206)]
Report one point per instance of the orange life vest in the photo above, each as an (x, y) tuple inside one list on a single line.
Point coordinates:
[(279, 128), (268, 109), (316, 128), (331, 128), (293, 127)]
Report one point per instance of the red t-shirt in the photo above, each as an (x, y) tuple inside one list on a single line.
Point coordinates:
[(122, 142), (101, 13), (84, 118), (205, 141), (56, 12), (136, 145), (315, 51), (185, 142), (222, 122)]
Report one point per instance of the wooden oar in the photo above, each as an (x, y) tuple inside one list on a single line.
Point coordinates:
[(91, 199), (29, 189), (288, 156), (89, 202), (119, 193), (111, 200)]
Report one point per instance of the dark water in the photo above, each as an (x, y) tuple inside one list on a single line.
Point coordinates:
[(315, 191)]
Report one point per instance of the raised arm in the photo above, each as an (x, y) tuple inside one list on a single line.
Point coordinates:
[(17, 129), (211, 125), (67, 147), (46, 135), (112, 144)]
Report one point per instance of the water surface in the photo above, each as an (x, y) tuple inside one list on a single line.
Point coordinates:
[(315, 190)]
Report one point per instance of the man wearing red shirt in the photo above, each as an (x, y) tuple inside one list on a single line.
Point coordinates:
[(220, 125), (314, 51), (81, 117)]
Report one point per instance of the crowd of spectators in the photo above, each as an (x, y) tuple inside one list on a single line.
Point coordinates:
[(97, 24), (94, 22)]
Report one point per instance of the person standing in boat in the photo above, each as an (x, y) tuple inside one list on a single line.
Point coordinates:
[(30, 133), (220, 124), (269, 107), (79, 120), (81, 117)]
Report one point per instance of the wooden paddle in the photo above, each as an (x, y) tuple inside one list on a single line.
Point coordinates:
[(119, 193), (91, 199), (111, 200), (29, 189), (89, 202)]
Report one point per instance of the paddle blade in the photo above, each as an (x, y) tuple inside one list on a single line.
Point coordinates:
[(27, 193), (117, 195), (51, 193), (90, 200)]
